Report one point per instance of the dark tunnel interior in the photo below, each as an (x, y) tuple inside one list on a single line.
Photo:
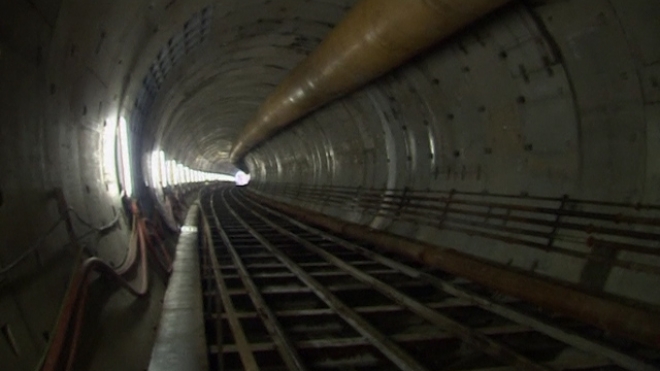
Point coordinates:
[(528, 139)]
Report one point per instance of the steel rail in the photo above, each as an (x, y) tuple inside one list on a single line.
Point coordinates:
[(285, 347), (473, 338), (617, 357), (400, 338), (391, 308), (246, 355), (390, 349), (207, 273)]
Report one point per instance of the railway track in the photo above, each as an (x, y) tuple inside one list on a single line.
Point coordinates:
[(281, 295)]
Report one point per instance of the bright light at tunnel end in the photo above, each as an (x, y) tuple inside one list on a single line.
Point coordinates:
[(241, 178), (165, 173)]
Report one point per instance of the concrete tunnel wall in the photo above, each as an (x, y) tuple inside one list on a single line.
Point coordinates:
[(544, 97)]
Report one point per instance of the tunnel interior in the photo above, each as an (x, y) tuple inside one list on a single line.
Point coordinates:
[(539, 112)]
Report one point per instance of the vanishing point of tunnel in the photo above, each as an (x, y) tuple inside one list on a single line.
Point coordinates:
[(329, 185)]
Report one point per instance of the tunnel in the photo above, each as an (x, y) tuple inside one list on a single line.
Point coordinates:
[(423, 185)]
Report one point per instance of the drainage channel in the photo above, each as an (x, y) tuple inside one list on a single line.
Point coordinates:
[(281, 295)]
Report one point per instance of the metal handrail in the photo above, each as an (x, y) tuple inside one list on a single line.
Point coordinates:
[(563, 225)]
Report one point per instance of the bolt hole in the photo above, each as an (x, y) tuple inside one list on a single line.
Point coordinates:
[(457, 153)]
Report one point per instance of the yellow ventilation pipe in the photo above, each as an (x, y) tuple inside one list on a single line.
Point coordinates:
[(375, 37)]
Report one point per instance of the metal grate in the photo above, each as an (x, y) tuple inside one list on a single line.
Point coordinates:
[(283, 295)]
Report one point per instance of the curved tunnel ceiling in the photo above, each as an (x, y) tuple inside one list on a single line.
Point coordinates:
[(499, 102), (250, 49)]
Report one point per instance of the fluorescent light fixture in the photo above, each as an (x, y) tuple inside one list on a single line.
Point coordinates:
[(171, 167), (109, 154), (181, 174), (124, 142), (163, 169), (175, 173), (154, 165)]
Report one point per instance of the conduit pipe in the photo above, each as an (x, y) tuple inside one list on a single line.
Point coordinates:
[(375, 37), (632, 322), (63, 349)]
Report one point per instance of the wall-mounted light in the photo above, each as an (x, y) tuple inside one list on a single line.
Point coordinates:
[(124, 142), (163, 169), (171, 169), (154, 169), (109, 155), (166, 173), (181, 174)]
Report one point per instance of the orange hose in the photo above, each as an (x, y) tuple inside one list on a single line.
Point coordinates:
[(96, 264), (131, 253), (74, 306), (163, 258)]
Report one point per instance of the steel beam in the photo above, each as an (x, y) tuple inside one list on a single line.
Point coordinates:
[(389, 348), (502, 309), (284, 345)]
